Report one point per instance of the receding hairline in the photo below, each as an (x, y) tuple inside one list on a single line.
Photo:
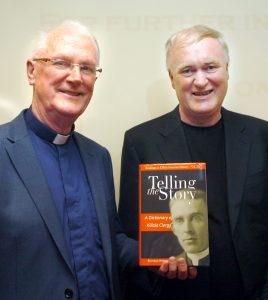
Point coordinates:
[(193, 35), (44, 37)]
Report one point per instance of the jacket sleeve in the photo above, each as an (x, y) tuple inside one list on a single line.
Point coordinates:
[(128, 202)]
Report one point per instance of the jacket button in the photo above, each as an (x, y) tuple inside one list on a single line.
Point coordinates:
[(68, 293)]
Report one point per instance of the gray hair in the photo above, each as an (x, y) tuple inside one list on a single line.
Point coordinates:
[(41, 42), (193, 35)]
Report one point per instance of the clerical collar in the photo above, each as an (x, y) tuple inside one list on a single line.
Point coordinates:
[(44, 132), (195, 257)]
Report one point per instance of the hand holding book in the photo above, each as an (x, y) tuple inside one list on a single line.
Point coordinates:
[(176, 268)]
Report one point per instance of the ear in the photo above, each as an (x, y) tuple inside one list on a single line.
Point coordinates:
[(30, 71), (227, 69), (171, 78), (172, 227)]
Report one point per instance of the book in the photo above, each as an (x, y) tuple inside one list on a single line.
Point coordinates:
[(173, 215)]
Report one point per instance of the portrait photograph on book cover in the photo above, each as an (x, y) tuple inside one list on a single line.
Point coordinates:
[(173, 213)]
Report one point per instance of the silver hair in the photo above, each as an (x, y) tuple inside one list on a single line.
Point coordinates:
[(193, 35), (41, 42)]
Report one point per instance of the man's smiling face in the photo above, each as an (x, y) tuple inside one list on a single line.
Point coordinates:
[(199, 75), (64, 93)]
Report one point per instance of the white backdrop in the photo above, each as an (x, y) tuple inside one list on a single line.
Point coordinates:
[(134, 86)]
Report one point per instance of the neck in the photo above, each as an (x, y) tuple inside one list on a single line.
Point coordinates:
[(56, 122), (200, 120)]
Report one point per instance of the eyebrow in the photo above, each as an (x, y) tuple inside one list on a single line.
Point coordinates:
[(190, 65), (64, 56), (182, 67), (213, 62)]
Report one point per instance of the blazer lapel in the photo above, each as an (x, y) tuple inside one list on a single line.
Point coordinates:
[(22, 155), (237, 146), (174, 147)]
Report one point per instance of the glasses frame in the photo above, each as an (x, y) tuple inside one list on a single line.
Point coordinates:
[(70, 65)]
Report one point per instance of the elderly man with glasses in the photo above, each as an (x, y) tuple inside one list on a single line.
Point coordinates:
[(59, 230)]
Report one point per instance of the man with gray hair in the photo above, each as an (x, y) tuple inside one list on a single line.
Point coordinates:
[(234, 147), (59, 230), (56, 185)]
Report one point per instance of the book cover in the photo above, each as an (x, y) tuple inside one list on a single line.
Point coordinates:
[(173, 216)]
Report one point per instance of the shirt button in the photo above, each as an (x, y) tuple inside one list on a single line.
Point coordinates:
[(68, 293)]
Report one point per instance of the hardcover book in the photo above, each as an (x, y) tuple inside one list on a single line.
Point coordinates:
[(173, 215)]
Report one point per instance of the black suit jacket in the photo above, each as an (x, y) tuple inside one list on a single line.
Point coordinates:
[(162, 140)]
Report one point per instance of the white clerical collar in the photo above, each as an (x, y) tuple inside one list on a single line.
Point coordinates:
[(195, 257), (60, 139)]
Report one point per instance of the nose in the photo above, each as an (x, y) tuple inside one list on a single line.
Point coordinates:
[(188, 226), (75, 74), (200, 79)]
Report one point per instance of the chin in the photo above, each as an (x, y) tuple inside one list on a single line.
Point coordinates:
[(72, 113), (68, 107), (206, 110)]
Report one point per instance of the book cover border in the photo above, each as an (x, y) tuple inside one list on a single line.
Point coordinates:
[(161, 221)]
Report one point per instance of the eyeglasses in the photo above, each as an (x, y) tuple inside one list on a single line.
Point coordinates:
[(64, 65)]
